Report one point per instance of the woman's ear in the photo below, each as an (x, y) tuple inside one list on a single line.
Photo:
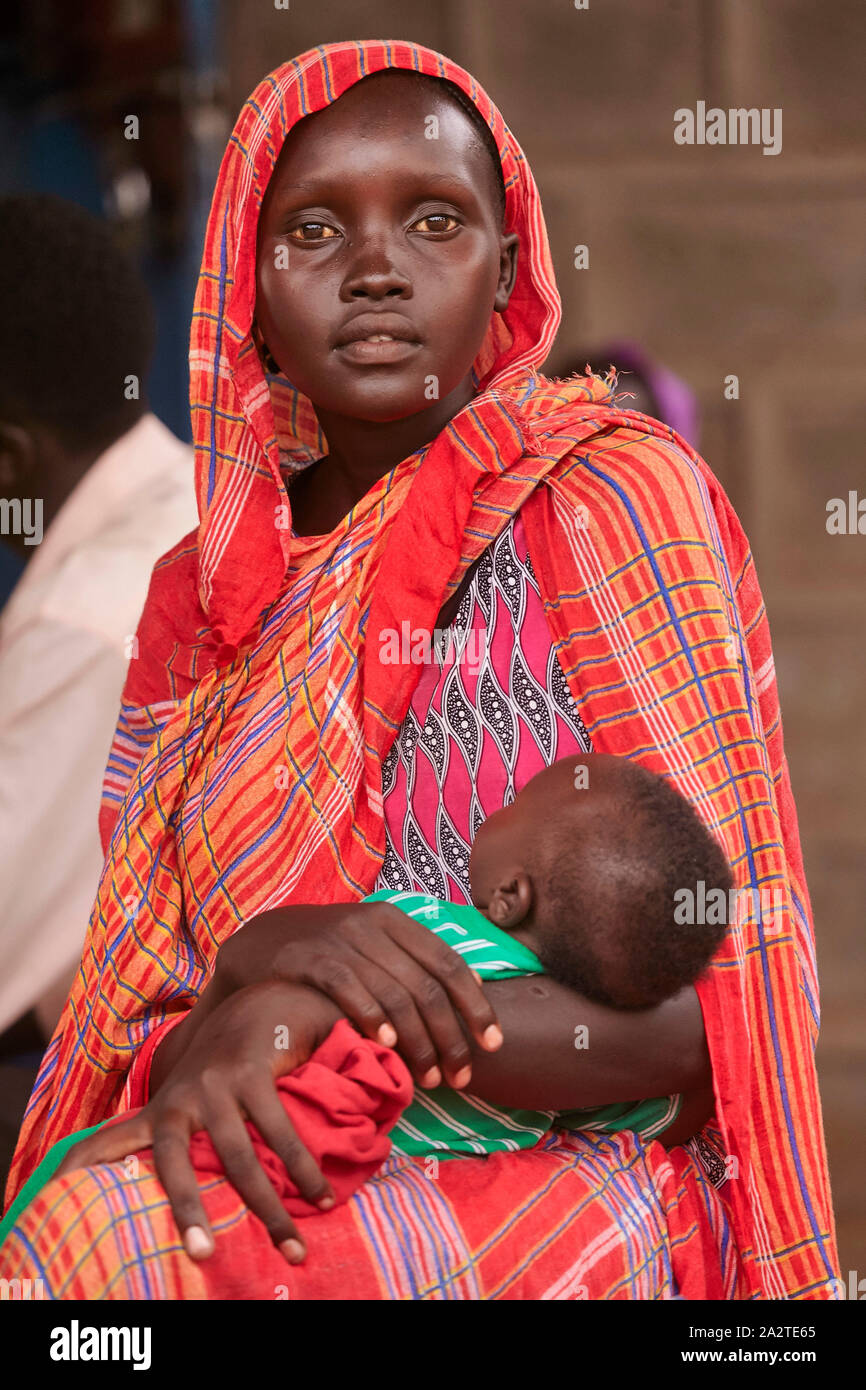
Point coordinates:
[(511, 900), (509, 250)]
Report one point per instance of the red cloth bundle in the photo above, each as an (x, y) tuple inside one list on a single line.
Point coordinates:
[(342, 1103)]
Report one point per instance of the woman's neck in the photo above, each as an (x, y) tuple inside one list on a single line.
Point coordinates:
[(360, 452)]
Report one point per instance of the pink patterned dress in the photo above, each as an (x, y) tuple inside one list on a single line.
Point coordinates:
[(485, 717)]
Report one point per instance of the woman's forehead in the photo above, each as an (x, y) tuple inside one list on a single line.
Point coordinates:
[(385, 106), (380, 127), (394, 90)]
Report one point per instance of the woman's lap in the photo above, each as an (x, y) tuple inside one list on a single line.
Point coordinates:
[(594, 1216)]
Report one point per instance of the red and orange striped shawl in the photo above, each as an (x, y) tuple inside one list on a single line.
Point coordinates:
[(264, 784)]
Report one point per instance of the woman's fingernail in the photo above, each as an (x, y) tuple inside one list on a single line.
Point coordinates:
[(293, 1251), (325, 1203), (491, 1038), (433, 1077), (476, 977), (197, 1243), (387, 1035), (463, 1077)]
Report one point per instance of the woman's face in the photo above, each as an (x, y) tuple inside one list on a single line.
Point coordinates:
[(369, 227)]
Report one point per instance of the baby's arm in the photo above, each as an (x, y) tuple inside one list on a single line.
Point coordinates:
[(548, 1062), (698, 1103)]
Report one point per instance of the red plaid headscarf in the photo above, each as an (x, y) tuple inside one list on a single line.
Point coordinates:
[(237, 440)]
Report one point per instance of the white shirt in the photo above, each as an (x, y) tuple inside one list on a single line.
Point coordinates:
[(64, 640)]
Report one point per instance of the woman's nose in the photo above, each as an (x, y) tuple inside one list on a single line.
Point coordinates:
[(373, 274)]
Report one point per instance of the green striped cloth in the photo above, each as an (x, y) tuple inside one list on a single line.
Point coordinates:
[(451, 1122)]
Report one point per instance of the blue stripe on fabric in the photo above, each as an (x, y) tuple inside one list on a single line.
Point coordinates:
[(211, 477)]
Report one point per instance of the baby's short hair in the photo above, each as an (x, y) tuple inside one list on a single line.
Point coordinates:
[(605, 911)]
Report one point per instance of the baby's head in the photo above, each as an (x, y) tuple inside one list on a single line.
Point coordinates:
[(583, 867)]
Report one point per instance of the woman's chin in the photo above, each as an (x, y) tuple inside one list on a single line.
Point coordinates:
[(379, 408)]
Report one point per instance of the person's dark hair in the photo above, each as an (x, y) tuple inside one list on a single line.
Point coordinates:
[(606, 910), (482, 129), (76, 322)]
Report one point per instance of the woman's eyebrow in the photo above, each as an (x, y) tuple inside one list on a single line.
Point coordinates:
[(301, 186), (423, 177), (445, 178)]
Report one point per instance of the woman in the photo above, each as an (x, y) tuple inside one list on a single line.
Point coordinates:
[(352, 480)]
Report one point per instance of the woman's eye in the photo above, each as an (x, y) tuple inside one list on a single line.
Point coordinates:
[(437, 222), (312, 231)]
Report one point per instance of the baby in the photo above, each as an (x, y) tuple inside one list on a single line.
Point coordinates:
[(577, 879)]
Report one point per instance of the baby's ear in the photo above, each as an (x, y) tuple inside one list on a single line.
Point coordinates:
[(511, 900), (497, 908)]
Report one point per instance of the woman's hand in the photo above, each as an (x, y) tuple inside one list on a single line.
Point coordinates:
[(390, 975), (226, 1076)]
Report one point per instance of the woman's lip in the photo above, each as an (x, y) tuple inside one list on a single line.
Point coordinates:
[(363, 351)]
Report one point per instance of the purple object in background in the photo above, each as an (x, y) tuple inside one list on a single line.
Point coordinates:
[(671, 399)]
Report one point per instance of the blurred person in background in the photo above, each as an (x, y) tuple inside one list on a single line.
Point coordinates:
[(103, 488), (643, 384)]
